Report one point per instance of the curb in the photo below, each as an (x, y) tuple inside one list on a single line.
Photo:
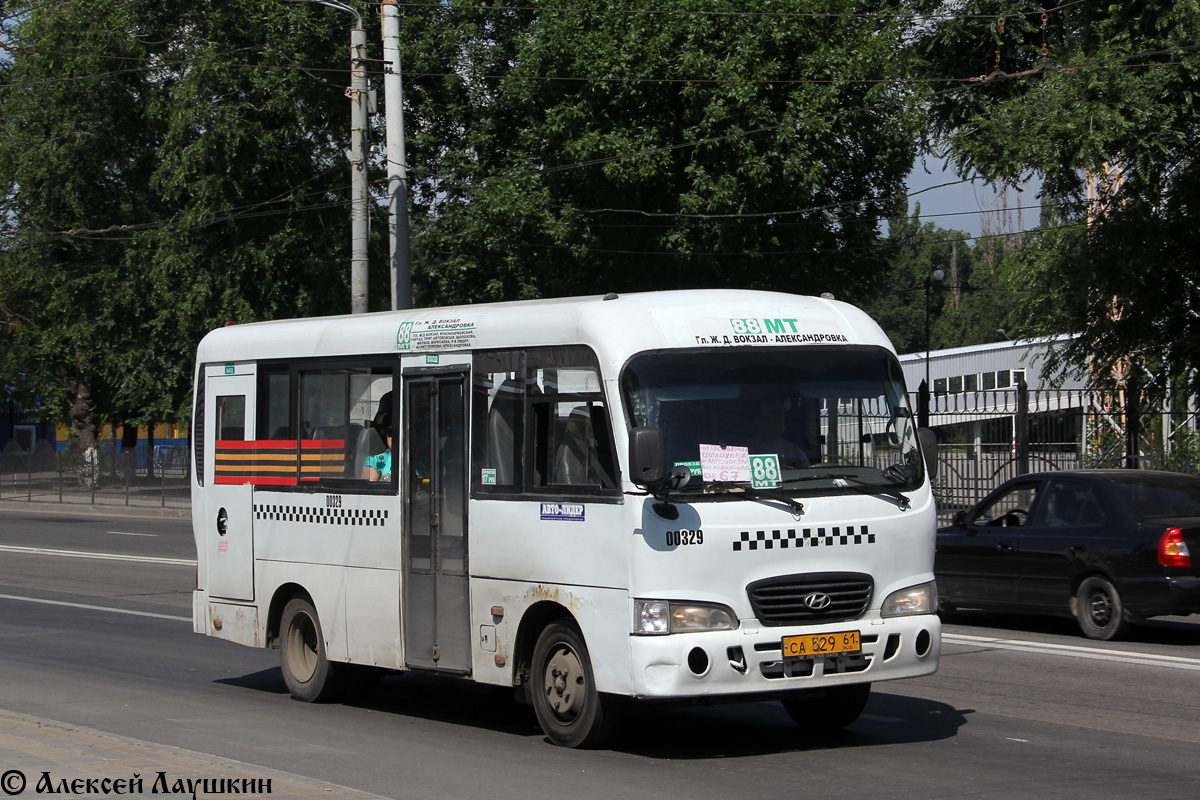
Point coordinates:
[(47, 507), (35, 750)]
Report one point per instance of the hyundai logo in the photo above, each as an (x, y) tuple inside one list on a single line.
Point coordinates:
[(817, 601)]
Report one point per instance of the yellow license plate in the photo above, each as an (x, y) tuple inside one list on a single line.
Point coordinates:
[(819, 645)]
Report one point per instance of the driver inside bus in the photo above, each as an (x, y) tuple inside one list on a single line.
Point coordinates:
[(769, 423)]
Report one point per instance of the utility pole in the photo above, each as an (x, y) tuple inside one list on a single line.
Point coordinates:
[(397, 169), (359, 231)]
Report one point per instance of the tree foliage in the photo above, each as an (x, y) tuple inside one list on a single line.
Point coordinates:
[(1109, 117), (167, 168), (585, 149)]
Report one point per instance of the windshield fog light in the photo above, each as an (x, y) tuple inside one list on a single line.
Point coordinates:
[(920, 599)]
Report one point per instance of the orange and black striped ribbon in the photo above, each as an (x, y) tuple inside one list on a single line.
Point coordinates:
[(278, 462)]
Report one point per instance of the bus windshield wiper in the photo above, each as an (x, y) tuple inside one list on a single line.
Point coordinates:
[(763, 494), (856, 483)]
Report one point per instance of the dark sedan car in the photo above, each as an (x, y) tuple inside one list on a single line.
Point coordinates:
[(1105, 546)]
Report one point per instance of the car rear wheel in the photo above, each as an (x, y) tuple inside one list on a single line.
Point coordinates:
[(1099, 609)]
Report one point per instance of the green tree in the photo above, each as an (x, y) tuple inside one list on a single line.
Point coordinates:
[(598, 148), (1101, 99), (167, 168), (967, 305)]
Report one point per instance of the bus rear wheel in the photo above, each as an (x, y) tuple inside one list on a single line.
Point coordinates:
[(309, 675), (569, 709), (828, 709)]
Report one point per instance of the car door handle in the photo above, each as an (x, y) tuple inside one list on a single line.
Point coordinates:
[(1004, 546)]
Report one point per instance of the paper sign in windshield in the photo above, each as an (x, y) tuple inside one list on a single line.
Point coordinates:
[(730, 464)]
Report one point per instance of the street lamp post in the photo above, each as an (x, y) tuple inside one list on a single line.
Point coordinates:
[(935, 274)]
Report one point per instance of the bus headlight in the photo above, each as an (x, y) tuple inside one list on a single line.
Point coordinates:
[(913, 600), (657, 617)]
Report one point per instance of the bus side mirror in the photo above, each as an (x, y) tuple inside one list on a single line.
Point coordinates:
[(647, 456), (928, 440)]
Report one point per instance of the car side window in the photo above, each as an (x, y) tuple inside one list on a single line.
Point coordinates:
[(1068, 504), (1009, 508)]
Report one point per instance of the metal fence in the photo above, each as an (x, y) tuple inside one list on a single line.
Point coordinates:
[(985, 438), (103, 476)]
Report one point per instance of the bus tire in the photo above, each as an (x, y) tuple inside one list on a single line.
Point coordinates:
[(828, 709), (309, 675), (569, 709)]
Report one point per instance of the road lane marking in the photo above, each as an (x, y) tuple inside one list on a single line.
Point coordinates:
[(42, 551), (93, 608), (1074, 651), (124, 533)]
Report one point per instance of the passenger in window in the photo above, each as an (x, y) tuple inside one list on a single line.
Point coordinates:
[(379, 467), (769, 422)]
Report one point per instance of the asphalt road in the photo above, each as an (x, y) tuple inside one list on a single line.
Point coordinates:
[(1020, 707)]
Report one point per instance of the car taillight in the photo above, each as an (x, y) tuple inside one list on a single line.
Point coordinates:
[(1173, 550)]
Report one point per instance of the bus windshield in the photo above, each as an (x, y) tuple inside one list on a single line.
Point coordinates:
[(833, 417)]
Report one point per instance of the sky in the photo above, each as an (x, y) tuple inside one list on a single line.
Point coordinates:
[(966, 206)]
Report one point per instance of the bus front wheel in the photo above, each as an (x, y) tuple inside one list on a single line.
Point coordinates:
[(306, 671), (828, 709), (569, 709)]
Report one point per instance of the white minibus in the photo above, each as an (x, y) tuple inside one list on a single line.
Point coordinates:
[(692, 496)]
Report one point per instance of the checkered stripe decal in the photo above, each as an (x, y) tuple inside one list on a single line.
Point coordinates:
[(318, 515), (810, 537)]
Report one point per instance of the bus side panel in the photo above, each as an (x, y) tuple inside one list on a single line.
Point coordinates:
[(603, 616), (324, 583), (373, 617), (325, 528), (356, 535), (586, 544)]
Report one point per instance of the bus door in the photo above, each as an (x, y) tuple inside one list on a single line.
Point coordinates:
[(228, 473), (436, 609)]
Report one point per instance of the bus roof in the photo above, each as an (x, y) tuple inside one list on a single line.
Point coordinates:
[(615, 326)]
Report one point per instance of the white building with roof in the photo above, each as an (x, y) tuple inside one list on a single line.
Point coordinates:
[(977, 383)]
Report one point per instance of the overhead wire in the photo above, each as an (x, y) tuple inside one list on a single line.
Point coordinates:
[(807, 251), (722, 13)]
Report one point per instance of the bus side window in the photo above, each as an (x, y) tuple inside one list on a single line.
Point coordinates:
[(571, 439), (340, 407), (498, 429), (231, 418), (582, 456), (275, 404)]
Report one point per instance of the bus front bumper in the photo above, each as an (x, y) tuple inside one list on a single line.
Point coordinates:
[(750, 660)]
